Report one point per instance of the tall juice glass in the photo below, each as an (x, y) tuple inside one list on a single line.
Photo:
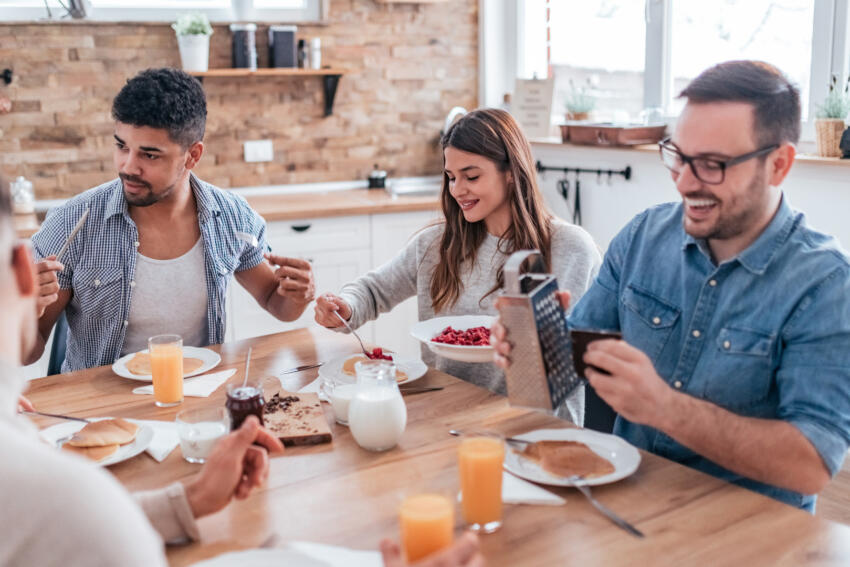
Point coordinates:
[(166, 352), (427, 525), (480, 458)]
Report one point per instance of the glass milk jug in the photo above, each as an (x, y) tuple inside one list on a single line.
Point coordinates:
[(377, 415), (22, 196)]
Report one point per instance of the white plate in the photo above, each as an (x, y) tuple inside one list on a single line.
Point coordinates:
[(210, 358), (427, 330), (143, 438), (413, 367), (623, 456)]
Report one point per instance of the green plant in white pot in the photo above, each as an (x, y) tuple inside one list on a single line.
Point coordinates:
[(193, 38), (829, 124), (580, 101)]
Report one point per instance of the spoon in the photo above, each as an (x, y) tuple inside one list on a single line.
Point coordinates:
[(247, 365), (356, 336), (457, 433)]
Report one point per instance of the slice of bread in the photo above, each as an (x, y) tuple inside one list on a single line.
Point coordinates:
[(105, 432)]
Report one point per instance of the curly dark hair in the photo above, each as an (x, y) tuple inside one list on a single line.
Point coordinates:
[(165, 98)]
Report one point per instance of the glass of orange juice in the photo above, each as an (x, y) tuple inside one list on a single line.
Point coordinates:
[(166, 352), (427, 525), (480, 458)]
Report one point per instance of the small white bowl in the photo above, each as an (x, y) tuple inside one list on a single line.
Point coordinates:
[(427, 330)]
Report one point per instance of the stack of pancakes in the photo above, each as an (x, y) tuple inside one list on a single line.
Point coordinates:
[(141, 364), (348, 367), (100, 439)]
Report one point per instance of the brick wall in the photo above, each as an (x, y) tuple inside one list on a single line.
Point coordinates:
[(409, 65)]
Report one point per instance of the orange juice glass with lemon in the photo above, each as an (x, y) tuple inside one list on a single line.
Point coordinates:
[(480, 458), (427, 525), (166, 352)]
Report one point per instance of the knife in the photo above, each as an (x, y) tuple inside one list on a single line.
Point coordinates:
[(71, 236), (300, 368)]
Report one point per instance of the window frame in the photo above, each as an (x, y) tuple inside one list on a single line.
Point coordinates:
[(316, 12), (830, 53)]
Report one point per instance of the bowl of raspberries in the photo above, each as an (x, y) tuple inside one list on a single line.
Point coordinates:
[(465, 338)]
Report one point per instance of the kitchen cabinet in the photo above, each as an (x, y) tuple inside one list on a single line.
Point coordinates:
[(340, 249), (391, 233)]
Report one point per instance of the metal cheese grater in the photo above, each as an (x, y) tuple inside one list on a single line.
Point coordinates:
[(541, 374)]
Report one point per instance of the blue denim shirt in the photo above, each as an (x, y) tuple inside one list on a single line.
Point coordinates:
[(101, 262), (765, 334)]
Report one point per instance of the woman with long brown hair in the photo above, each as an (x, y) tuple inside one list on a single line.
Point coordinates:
[(492, 208)]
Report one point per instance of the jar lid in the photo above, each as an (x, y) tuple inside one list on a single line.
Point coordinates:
[(377, 173), (243, 27)]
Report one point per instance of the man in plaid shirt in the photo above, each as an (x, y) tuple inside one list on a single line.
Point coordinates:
[(159, 246)]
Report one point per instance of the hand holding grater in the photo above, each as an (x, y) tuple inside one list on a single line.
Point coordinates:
[(541, 374)]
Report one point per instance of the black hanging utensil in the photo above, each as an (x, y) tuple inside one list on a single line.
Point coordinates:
[(577, 204)]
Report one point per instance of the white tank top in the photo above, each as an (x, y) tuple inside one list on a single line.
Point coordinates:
[(169, 297)]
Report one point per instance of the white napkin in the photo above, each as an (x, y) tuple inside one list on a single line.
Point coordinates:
[(297, 554), (335, 556), (197, 386), (517, 491), (165, 438)]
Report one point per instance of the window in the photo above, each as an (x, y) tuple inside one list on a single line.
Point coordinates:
[(594, 44), (167, 10), (707, 33), (639, 54)]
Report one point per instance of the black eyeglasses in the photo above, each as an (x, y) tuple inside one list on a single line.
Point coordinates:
[(707, 170)]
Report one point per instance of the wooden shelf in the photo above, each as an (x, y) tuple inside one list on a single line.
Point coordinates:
[(268, 72), (330, 78)]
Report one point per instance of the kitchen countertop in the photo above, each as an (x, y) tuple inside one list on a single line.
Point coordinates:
[(295, 206), (25, 225), (338, 203)]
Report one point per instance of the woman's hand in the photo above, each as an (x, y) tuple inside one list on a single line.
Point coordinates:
[(326, 305)]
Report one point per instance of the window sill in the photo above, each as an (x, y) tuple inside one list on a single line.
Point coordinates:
[(653, 148)]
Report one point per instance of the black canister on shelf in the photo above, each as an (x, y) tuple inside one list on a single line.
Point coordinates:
[(244, 46), (282, 52)]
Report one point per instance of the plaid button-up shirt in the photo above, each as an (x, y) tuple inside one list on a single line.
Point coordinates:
[(101, 262)]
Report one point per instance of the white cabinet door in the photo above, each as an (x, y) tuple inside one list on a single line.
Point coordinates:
[(339, 251), (390, 234)]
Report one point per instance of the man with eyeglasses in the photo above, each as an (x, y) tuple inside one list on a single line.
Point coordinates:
[(735, 314)]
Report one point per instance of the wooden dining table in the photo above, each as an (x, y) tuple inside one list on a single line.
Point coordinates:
[(340, 494)]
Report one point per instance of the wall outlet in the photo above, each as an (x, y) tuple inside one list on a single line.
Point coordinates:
[(259, 150)]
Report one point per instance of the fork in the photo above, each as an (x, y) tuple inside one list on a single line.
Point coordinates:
[(607, 512), (356, 336)]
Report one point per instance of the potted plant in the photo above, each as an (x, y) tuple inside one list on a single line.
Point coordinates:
[(193, 38), (580, 101), (829, 124)]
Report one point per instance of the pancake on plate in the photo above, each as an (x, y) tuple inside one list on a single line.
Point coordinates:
[(105, 432), (567, 458), (96, 454), (348, 367), (141, 364)]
